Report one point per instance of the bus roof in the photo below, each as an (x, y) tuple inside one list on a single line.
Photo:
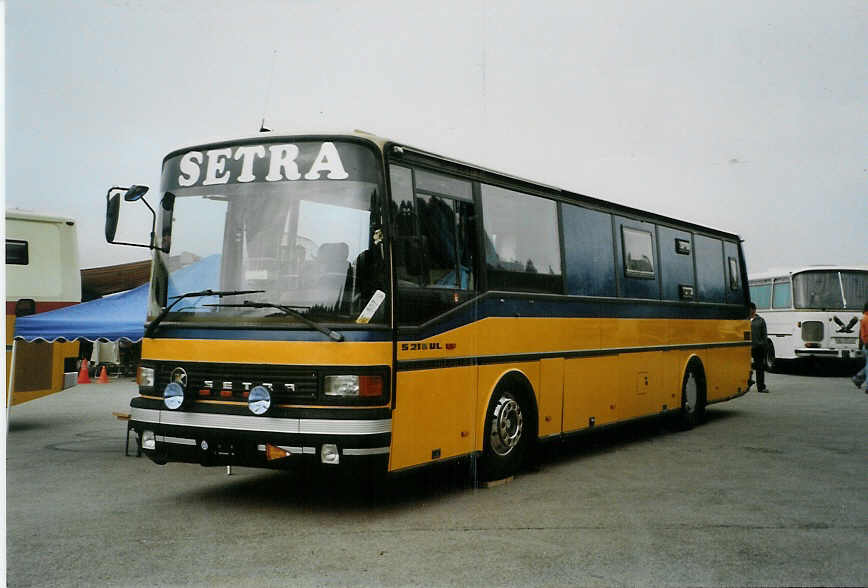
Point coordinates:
[(782, 273), (384, 144)]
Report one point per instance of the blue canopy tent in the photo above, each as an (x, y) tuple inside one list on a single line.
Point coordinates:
[(113, 318)]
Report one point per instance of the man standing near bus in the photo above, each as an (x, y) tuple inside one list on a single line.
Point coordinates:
[(758, 336)]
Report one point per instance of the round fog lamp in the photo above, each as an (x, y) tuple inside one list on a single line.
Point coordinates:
[(173, 396), (259, 400)]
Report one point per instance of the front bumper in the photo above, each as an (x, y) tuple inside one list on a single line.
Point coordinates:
[(830, 353), (212, 436)]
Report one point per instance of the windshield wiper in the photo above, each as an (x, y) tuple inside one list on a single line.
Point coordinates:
[(152, 326), (333, 335)]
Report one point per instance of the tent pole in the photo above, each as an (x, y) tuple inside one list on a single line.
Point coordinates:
[(11, 387)]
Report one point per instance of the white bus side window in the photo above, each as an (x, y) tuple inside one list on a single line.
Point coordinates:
[(781, 295), (761, 295)]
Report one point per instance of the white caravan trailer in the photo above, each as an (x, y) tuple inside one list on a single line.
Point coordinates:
[(42, 274)]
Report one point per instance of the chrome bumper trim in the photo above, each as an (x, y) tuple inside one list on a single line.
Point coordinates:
[(371, 451), (175, 440), (263, 424)]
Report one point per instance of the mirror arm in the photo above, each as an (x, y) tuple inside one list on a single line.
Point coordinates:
[(153, 224)]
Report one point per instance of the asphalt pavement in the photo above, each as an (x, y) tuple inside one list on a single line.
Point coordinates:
[(771, 490)]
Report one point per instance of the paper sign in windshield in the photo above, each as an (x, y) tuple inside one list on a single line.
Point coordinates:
[(373, 305)]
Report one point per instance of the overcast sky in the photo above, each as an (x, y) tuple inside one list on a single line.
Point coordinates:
[(751, 117)]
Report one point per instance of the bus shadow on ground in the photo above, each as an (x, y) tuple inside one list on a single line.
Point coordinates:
[(318, 489), (590, 442), (818, 368)]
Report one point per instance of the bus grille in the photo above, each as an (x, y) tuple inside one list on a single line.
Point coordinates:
[(812, 331), (287, 383)]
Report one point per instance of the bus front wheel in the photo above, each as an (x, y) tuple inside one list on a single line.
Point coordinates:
[(507, 426), (769, 359), (692, 397)]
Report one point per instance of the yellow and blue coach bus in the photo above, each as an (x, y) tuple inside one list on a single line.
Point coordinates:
[(363, 301)]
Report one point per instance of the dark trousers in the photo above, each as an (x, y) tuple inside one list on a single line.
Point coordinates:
[(759, 356)]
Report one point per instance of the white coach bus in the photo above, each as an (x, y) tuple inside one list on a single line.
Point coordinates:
[(811, 311)]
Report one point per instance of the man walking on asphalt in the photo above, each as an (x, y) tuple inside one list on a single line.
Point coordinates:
[(758, 336)]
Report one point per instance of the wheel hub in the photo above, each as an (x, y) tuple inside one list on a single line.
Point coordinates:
[(507, 425), (690, 393)]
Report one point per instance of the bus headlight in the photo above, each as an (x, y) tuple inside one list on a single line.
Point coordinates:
[(173, 396), (146, 379), (353, 386), (259, 400)]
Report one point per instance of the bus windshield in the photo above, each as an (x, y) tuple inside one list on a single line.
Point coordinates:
[(311, 245), (847, 290)]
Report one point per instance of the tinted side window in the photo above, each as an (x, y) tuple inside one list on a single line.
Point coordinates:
[(676, 263), (781, 295), (406, 256), (16, 252), (638, 253), (761, 295), (433, 242), (711, 286), (589, 251), (637, 258), (522, 247), (734, 287)]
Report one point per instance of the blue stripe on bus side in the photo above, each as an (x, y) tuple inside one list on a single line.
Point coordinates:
[(536, 306), (366, 335)]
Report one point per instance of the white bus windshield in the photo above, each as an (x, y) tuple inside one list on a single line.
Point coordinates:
[(840, 290)]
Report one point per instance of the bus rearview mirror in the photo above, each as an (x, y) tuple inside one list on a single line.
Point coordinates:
[(112, 212), (135, 192)]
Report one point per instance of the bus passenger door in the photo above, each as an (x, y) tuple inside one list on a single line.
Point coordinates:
[(433, 253)]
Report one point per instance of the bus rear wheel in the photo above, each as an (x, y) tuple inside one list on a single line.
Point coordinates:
[(506, 435), (692, 398)]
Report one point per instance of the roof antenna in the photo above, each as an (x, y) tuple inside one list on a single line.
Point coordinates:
[(262, 127)]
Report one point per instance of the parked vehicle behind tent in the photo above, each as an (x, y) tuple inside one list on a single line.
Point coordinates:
[(42, 274)]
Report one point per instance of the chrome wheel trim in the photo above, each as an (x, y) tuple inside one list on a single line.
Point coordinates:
[(691, 393), (507, 426)]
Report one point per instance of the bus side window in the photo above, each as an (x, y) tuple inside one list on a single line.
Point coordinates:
[(434, 240), (407, 255), (734, 292), (676, 264), (710, 281), (781, 297), (522, 245), (637, 254), (761, 295), (589, 251)]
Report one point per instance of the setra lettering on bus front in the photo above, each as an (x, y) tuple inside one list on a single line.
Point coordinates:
[(231, 165)]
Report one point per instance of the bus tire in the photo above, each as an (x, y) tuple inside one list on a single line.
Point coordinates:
[(769, 360), (692, 396), (507, 431)]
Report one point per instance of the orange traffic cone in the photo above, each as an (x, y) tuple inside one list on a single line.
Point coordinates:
[(103, 376), (83, 377)]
